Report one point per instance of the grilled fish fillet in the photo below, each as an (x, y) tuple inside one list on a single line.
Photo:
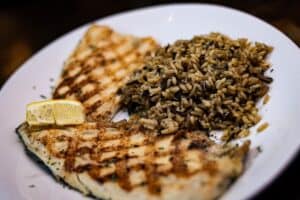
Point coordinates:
[(120, 162), (100, 64)]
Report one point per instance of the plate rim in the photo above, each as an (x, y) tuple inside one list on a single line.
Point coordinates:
[(290, 158)]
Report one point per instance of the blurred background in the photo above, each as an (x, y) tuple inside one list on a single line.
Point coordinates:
[(27, 26)]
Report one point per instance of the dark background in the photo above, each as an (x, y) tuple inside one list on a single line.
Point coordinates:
[(27, 26)]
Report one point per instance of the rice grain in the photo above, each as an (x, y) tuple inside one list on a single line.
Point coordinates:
[(210, 82)]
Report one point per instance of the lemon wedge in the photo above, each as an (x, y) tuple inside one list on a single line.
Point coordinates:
[(59, 112)]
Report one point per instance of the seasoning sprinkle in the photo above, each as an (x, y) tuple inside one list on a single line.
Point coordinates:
[(43, 96), (259, 149)]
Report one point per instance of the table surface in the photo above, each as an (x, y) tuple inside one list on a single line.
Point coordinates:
[(28, 26)]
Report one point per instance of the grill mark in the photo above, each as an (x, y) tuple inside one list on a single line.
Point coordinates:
[(70, 67), (177, 157), (121, 171), (123, 64), (144, 144), (65, 82), (76, 88), (121, 152), (121, 59), (69, 81), (92, 108), (94, 172), (96, 153), (152, 179), (83, 150), (86, 68), (88, 95), (123, 137), (209, 167), (112, 137), (70, 156), (120, 148), (151, 174), (89, 68), (112, 46), (114, 80)]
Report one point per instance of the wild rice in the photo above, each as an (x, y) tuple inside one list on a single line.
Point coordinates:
[(262, 127), (208, 83), (266, 99)]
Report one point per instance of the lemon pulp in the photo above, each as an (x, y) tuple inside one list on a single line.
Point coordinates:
[(59, 112)]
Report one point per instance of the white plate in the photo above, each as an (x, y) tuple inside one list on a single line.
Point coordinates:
[(165, 23)]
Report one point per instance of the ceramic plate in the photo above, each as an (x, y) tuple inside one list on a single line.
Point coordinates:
[(21, 178)]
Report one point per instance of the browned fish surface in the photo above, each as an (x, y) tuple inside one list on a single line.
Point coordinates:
[(101, 63), (121, 162)]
